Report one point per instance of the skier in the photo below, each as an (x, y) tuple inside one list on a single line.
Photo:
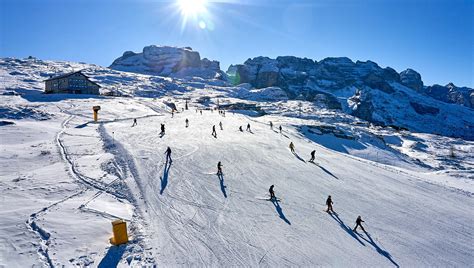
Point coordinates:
[(168, 155), (162, 128), (223, 113), (271, 124), (187, 122), (280, 129), (200, 111), (172, 113), (214, 133), (329, 204), (240, 128), (219, 168), (272, 193), (134, 122), (220, 124), (292, 147), (248, 127), (312, 156), (358, 223)]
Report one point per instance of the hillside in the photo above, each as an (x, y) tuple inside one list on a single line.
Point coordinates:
[(415, 197)]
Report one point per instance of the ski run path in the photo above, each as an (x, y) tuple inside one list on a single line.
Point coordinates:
[(184, 215)]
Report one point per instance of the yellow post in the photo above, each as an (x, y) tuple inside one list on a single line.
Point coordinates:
[(119, 228), (96, 110)]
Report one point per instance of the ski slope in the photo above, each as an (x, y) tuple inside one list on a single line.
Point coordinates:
[(64, 178), (193, 218)]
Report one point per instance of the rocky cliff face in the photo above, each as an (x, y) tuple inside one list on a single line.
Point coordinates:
[(363, 89), (451, 94), (168, 61), (412, 79), (303, 77)]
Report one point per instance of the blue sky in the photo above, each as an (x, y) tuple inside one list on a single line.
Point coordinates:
[(434, 37)]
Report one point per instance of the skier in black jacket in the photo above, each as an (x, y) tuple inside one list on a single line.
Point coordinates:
[(359, 222), (168, 155), (329, 204), (219, 168), (214, 133), (312, 156), (272, 193)]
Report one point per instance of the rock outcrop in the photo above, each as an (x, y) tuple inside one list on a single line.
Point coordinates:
[(412, 79), (451, 94), (298, 76), (363, 89), (168, 61)]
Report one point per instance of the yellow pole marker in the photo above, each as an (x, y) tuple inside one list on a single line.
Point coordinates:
[(96, 111)]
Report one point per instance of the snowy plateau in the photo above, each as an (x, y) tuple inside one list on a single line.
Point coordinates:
[(388, 148)]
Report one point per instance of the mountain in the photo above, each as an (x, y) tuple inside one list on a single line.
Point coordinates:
[(451, 94), (364, 89), (168, 61)]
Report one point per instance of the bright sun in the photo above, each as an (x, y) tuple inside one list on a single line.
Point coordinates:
[(192, 7)]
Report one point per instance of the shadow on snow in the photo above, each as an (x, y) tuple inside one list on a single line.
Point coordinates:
[(379, 250), (280, 211), (325, 170), (299, 157), (221, 180), (346, 228), (113, 257), (164, 179)]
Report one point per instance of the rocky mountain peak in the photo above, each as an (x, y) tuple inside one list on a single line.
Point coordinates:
[(167, 61)]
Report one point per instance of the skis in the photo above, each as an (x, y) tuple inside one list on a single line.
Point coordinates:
[(212, 173), (269, 199)]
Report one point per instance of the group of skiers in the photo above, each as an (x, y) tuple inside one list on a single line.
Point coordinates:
[(329, 201), (271, 126), (329, 209), (359, 220), (313, 152)]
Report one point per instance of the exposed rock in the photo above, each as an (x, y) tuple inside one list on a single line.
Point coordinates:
[(167, 61), (5, 123), (266, 94), (243, 107), (424, 109), (451, 94), (328, 100), (412, 79), (298, 76), (361, 106), (327, 129)]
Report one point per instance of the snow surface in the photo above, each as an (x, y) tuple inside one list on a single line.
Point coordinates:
[(64, 178)]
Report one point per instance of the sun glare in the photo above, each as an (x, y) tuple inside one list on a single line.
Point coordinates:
[(192, 7)]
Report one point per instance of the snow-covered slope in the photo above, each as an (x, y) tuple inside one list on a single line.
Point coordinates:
[(64, 178)]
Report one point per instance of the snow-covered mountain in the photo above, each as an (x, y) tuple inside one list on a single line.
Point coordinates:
[(364, 89), (64, 178), (168, 61)]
